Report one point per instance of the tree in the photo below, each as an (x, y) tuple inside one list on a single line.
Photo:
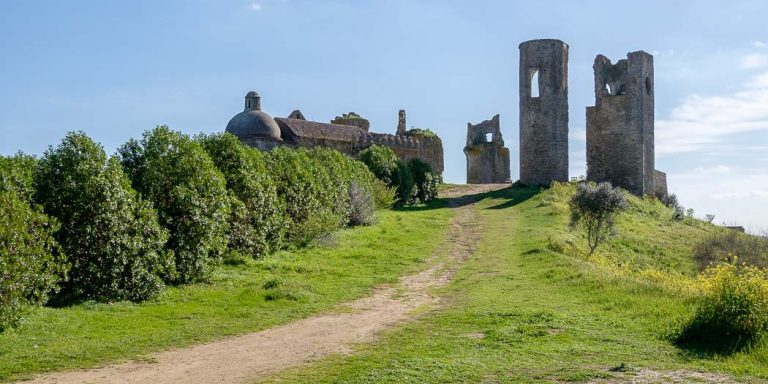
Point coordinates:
[(595, 208), (426, 181), (382, 161), (176, 174), (257, 218), (31, 262), (111, 237)]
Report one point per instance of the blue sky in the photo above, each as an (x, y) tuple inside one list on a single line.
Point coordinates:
[(114, 69)]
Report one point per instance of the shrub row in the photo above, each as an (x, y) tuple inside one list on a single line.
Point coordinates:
[(413, 180), (80, 225)]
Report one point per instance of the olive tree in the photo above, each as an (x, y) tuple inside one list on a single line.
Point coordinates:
[(111, 237), (595, 207), (179, 178)]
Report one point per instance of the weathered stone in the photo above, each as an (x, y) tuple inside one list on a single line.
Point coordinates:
[(487, 158), (620, 137), (543, 112), (660, 184), (401, 122), (348, 135)]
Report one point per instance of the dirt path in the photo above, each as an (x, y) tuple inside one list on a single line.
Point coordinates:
[(248, 357)]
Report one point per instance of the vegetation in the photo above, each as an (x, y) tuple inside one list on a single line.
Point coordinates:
[(273, 290), (257, 215), (111, 237), (180, 179), (421, 132), (732, 311), (31, 263), (725, 244), (414, 180), (595, 207), (529, 306)]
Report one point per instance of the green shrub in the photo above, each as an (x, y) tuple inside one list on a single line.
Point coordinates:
[(190, 194), (111, 237), (384, 196), (595, 207), (16, 175), (722, 244), (257, 215), (308, 191), (345, 171), (404, 182), (382, 161), (732, 311), (420, 132), (426, 181), (31, 263), (361, 206)]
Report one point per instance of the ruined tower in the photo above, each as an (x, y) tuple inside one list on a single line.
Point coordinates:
[(487, 158), (543, 112), (620, 141)]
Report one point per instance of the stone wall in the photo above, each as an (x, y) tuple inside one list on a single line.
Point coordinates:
[(429, 149), (620, 137), (660, 184), (487, 160), (543, 117)]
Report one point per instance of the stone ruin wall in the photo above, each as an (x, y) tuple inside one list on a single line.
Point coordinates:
[(620, 127), (543, 118), (429, 149), (487, 161)]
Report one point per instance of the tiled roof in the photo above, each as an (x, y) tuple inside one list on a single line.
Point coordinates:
[(313, 129)]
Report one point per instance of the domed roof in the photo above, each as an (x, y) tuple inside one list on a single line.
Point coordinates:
[(253, 122)]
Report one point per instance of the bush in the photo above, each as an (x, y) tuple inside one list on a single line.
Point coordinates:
[(595, 207), (257, 215), (732, 312), (362, 206), (180, 179), (405, 184), (111, 237), (308, 191), (16, 175), (382, 161), (31, 263), (426, 181), (384, 196), (722, 244)]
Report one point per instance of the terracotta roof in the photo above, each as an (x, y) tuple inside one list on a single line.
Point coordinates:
[(296, 129)]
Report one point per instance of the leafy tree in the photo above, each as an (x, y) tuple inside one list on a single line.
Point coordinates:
[(111, 237), (345, 171), (426, 181), (308, 192), (257, 218), (176, 174), (16, 175), (382, 161), (595, 207), (31, 262), (404, 182)]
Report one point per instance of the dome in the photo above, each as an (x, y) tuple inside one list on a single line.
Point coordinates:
[(253, 122)]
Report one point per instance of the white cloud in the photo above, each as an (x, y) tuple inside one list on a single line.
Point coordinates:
[(255, 7), (701, 121), (754, 60), (758, 44), (714, 169)]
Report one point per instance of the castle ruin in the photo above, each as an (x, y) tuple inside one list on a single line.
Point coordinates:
[(620, 127), (487, 157), (543, 112), (348, 134)]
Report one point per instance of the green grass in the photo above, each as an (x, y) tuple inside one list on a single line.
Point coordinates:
[(520, 312), (278, 289)]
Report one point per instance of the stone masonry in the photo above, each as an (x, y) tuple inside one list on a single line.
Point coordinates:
[(620, 137), (487, 158), (543, 112)]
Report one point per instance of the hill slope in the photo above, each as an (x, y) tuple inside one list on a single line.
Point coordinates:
[(531, 307)]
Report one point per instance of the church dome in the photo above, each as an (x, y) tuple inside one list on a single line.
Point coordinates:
[(253, 122)]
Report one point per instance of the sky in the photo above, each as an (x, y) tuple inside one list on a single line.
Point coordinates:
[(115, 69)]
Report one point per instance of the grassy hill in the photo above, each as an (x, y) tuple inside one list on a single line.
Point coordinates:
[(530, 306)]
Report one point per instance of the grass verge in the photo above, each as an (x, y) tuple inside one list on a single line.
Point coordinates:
[(253, 296), (519, 312)]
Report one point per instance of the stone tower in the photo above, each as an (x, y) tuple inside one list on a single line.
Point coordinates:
[(620, 141), (487, 158), (543, 112)]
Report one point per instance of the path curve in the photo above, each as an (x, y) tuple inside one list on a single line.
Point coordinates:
[(245, 358)]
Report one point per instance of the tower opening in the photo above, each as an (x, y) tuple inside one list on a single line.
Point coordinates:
[(535, 83)]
